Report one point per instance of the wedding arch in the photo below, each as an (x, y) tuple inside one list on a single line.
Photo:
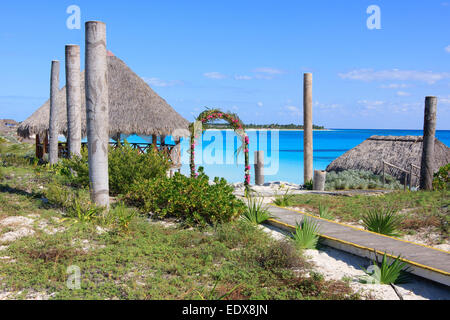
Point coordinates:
[(234, 122)]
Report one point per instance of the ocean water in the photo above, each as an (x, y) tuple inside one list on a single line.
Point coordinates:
[(283, 150)]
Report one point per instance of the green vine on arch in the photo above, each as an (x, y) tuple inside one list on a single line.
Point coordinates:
[(235, 123)]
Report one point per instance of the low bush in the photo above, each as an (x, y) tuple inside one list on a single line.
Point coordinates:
[(192, 199), (75, 203), (125, 164), (359, 179), (441, 179), (282, 254)]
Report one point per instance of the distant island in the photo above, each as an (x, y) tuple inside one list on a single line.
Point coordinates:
[(263, 126)]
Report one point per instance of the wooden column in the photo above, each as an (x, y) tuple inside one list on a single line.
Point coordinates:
[(429, 132), (73, 98), (259, 168), (155, 142), (307, 128), (97, 111), (45, 146), (319, 180), (39, 148), (54, 107)]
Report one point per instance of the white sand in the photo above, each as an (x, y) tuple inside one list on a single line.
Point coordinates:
[(334, 264)]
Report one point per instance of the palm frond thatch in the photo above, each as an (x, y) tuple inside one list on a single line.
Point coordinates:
[(134, 108), (401, 151)]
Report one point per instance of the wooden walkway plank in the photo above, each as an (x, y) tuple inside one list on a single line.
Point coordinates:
[(427, 262)]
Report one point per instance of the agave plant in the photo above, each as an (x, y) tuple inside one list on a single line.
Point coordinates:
[(256, 212), (394, 272), (324, 212), (306, 234), (283, 200), (382, 220)]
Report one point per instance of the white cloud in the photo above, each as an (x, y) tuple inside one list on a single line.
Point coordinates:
[(403, 94), (260, 104), (394, 86), (293, 110), (447, 48), (371, 105), (214, 75), (272, 71), (156, 82), (395, 74), (243, 77)]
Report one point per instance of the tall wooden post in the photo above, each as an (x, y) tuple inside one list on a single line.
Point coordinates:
[(429, 132), (307, 128), (73, 97), (53, 125), (97, 111), (259, 168), (155, 142)]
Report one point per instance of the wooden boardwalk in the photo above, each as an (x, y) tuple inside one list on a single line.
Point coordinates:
[(427, 262)]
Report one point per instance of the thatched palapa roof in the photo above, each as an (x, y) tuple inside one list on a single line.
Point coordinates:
[(134, 108), (397, 150)]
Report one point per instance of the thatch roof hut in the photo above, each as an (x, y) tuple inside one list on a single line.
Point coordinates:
[(134, 108), (401, 151)]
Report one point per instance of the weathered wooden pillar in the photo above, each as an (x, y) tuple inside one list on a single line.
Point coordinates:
[(54, 107), (73, 97), (319, 180), (307, 128), (45, 145), (429, 132), (155, 142), (39, 148), (97, 111), (259, 168)]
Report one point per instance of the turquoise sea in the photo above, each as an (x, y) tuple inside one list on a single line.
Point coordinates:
[(283, 150)]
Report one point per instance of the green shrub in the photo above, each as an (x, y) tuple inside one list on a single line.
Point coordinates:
[(441, 180), (306, 234), (387, 273), (308, 185), (382, 220), (192, 199), (324, 212), (359, 179), (283, 200), (256, 212), (76, 169), (280, 254), (125, 165), (75, 203)]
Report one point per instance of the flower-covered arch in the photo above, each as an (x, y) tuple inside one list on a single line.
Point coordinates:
[(235, 123)]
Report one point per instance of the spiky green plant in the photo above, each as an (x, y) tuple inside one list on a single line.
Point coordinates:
[(387, 272), (324, 212), (306, 234), (256, 212), (382, 220), (283, 200)]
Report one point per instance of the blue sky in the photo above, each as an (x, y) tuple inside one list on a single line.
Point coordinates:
[(248, 56)]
